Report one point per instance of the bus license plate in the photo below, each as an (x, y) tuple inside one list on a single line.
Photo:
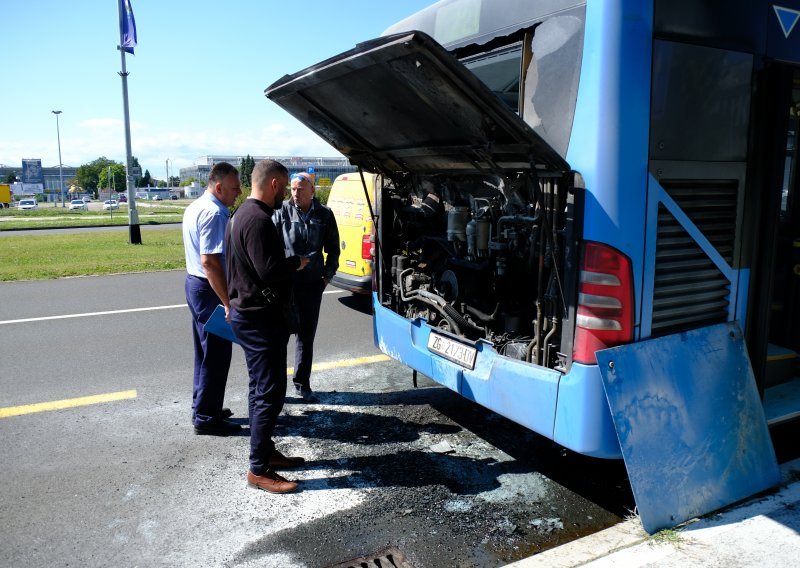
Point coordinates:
[(456, 352)]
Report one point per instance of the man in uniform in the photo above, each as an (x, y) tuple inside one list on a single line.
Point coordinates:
[(204, 224)]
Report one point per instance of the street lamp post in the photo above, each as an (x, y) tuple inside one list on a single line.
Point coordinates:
[(60, 165)]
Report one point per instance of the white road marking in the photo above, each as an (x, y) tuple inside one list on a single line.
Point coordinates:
[(90, 314), (110, 312)]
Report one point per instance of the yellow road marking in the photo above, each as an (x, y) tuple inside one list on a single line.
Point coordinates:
[(66, 403), (345, 363), (123, 395)]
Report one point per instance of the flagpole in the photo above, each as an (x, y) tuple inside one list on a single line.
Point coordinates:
[(134, 232)]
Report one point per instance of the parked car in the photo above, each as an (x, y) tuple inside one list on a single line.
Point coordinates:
[(123, 198), (27, 204), (86, 199), (78, 205), (174, 197), (157, 198), (109, 204)]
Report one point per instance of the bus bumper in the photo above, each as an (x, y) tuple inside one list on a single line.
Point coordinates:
[(569, 409)]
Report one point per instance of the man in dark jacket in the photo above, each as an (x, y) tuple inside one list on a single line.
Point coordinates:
[(259, 277), (308, 228)]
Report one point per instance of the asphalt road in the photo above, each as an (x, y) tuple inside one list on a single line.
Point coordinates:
[(127, 483)]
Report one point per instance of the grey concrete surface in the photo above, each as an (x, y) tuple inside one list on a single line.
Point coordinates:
[(127, 483), (762, 531)]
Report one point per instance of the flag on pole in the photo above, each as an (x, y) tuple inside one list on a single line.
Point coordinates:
[(127, 26)]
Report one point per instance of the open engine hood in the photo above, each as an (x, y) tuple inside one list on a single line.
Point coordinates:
[(403, 103)]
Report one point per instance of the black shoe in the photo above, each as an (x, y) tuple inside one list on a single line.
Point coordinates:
[(304, 392), (225, 413), (217, 428)]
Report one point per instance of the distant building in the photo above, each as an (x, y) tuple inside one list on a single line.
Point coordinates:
[(52, 190), (324, 167)]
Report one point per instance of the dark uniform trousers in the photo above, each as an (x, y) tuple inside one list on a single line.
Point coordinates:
[(263, 340), (212, 354), (307, 298)]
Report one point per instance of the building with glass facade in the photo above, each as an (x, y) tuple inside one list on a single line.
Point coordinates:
[(324, 167)]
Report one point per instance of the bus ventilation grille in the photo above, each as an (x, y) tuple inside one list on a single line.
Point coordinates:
[(690, 291)]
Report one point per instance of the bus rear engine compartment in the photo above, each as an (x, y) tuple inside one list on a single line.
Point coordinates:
[(481, 257)]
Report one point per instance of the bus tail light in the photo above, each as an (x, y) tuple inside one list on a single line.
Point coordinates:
[(605, 302)]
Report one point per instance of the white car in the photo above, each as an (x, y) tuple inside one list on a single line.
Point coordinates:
[(27, 204), (110, 204), (78, 205)]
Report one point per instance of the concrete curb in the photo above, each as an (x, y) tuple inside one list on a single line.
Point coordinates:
[(746, 534)]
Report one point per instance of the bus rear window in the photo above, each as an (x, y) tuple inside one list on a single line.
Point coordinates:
[(537, 76)]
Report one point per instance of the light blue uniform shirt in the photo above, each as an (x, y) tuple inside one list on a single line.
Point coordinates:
[(204, 224)]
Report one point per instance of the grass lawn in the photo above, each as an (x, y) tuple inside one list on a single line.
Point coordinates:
[(49, 217), (41, 257)]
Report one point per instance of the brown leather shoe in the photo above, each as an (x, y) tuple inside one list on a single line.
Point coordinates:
[(271, 482), (279, 461)]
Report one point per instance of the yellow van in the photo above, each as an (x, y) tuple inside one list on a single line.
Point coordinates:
[(349, 205)]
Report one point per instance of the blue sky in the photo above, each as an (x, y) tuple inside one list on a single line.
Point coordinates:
[(196, 83)]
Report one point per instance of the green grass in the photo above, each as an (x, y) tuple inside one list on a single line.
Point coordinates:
[(668, 536), (49, 217), (42, 257)]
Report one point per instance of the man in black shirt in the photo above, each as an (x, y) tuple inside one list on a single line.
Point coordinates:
[(259, 276)]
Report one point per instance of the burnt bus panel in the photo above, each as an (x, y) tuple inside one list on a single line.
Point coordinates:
[(689, 419), (701, 103), (403, 103)]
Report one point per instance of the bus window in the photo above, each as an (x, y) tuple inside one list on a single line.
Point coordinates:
[(546, 61), (500, 71)]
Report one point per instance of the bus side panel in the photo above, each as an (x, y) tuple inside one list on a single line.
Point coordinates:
[(610, 134), (519, 391), (583, 418)]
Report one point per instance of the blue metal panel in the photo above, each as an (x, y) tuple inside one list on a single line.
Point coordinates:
[(610, 135), (583, 419), (690, 423)]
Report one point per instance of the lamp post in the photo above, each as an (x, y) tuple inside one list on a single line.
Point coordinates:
[(60, 166)]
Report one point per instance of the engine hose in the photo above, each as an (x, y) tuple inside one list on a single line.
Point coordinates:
[(428, 298), (485, 318), (462, 322), (546, 358)]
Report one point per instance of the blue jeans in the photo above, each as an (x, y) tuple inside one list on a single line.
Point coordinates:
[(212, 354), (263, 338)]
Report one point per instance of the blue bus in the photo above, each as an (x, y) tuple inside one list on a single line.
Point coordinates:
[(561, 177)]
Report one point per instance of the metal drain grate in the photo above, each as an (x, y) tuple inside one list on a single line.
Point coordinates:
[(389, 558)]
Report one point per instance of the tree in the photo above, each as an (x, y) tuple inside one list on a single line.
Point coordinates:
[(188, 181), (11, 178), (246, 167), (145, 180), (117, 178)]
